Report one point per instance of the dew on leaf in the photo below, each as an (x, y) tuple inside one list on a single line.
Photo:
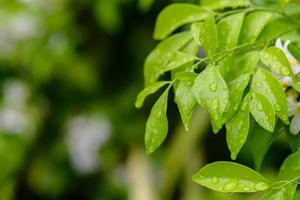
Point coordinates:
[(213, 87), (261, 186)]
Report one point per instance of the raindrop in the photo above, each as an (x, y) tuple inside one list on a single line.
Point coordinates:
[(231, 185), (215, 103), (261, 186), (284, 71), (260, 107), (213, 87), (277, 107), (215, 180)]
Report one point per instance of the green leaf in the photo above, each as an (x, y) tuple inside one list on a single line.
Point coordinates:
[(274, 195), (157, 124), (178, 59), (277, 61), (221, 4), (176, 15), (259, 149), (296, 83), (158, 59), (206, 34), (185, 100), (266, 84), (238, 128), (187, 77), (247, 63), (263, 111), (297, 195), (236, 91), (147, 91), (293, 140), (229, 30), (290, 169), (230, 177), (253, 25), (211, 92), (275, 27), (237, 64)]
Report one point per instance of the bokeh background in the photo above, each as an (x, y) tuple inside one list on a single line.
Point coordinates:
[(69, 74)]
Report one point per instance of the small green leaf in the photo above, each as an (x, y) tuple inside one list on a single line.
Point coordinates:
[(290, 169), (211, 92), (157, 124), (275, 58), (178, 59), (206, 34), (221, 4), (158, 59), (237, 128), (277, 26), (236, 91), (147, 91), (230, 177), (263, 111), (259, 149), (186, 77), (185, 100), (293, 140), (296, 83), (176, 15), (253, 25), (266, 84), (273, 195), (229, 29)]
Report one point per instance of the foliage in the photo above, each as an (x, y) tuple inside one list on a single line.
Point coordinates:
[(245, 72)]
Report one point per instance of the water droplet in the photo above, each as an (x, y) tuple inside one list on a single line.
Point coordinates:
[(215, 103), (243, 106), (284, 71), (277, 107), (231, 185), (213, 87), (246, 189), (261, 186), (215, 180), (260, 107), (236, 107), (259, 84), (261, 120)]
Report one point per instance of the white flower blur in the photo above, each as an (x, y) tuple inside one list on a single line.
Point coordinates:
[(14, 116), (294, 110), (287, 80), (292, 60), (85, 136)]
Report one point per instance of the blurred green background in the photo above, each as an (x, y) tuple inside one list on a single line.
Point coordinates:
[(69, 74)]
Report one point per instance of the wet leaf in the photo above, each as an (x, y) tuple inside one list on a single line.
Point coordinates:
[(221, 4), (147, 91), (229, 29), (236, 91), (176, 15), (157, 124), (266, 84), (230, 177), (211, 93), (253, 25), (275, 58), (185, 100), (263, 111), (237, 128), (205, 33), (157, 61)]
